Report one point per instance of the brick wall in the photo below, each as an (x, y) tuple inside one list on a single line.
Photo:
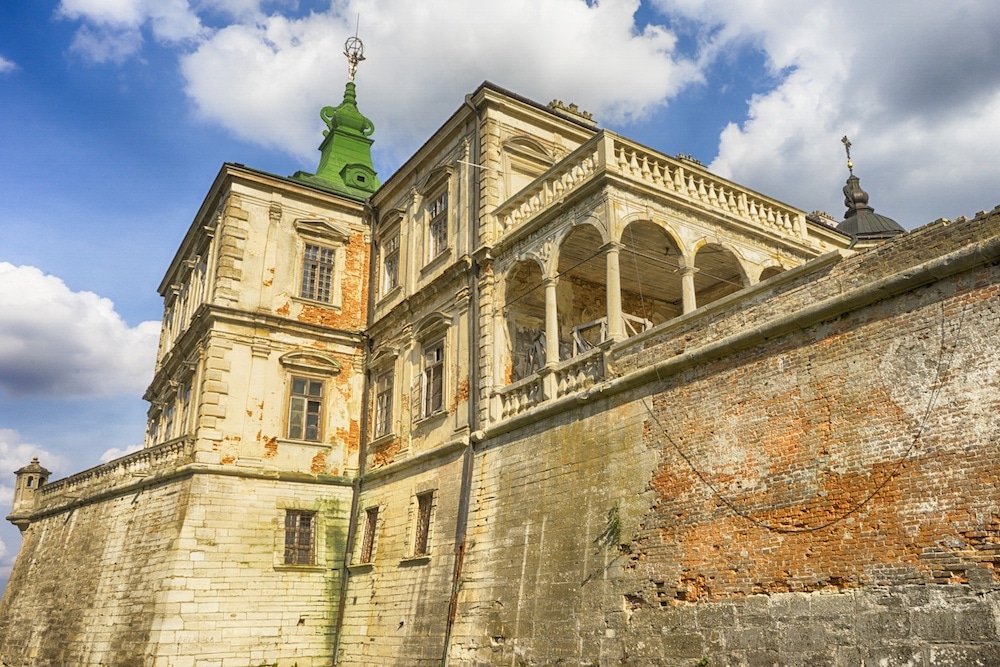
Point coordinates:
[(798, 484)]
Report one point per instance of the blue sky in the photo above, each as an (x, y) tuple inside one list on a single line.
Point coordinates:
[(115, 116)]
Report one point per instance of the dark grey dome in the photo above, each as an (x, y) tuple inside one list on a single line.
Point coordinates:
[(860, 220)]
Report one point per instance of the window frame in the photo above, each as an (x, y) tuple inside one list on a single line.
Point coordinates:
[(326, 258), (326, 235), (369, 536), (432, 375), (423, 512), (389, 250), (382, 422), (293, 543), (437, 224), (309, 381)]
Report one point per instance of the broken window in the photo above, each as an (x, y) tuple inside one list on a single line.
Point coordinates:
[(368, 543), (305, 408), (420, 536), (300, 531)]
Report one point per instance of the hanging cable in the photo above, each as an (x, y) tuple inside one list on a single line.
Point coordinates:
[(935, 391)]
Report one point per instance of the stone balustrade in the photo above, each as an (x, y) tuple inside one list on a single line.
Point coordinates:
[(165, 456), (693, 183), (682, 178), (580, 372), (550, 187), (521, 396)]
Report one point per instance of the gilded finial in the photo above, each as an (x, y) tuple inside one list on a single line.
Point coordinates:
[(355, 52), (847, 147)]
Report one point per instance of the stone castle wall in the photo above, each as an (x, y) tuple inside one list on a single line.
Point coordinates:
[(187, 568), (804, 476)]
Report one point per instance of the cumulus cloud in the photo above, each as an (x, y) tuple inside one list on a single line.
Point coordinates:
[(7, 65), (266, 81), (57, 342), (915, 86), (111, 30)]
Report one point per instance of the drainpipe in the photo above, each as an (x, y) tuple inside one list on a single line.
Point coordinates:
[(469, 457), (352, 526)]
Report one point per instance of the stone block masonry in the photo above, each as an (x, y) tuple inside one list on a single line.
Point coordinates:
[(153, 572)]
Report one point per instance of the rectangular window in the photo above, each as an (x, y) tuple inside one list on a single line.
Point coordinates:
[(305, 409), (317, 273), (423, 526), (168, 423), (368, 544), (433, 378), (300, 542), (184, 399), (390, 262), (438, 226), (383, 403)]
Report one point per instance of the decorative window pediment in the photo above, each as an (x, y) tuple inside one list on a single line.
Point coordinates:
[(432, 324), (323, 230), (528, 148), (308, 361), (438, 178), (390, 217)]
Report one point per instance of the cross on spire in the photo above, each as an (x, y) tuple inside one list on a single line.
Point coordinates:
[(847, 147)]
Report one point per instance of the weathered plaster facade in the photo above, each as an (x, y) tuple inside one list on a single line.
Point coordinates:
[(559, 399)]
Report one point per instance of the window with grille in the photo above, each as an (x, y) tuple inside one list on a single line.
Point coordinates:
[(300, 534), (383, 403), (433, 378), (305, 409), (317, 273), (368, 543), (390, 262), (423, 527), (438, 226)]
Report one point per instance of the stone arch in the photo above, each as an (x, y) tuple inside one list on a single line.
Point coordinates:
[(524, 316), (770, 272), (581, 294), (719, 273), (650, 263)]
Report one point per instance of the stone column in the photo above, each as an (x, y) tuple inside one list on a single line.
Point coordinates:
[(687, 287), (616, 326), (551, 323)]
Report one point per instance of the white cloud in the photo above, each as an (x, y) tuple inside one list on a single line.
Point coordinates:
[(116, 452), (7, 65), (57, 342), (112, 29), (266, 81), (914, 85)]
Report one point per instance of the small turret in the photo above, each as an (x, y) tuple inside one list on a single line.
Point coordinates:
[(28, 481), (345, 164), (861, 222)]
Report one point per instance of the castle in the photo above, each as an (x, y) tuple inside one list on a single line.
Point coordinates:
[(545, 396)]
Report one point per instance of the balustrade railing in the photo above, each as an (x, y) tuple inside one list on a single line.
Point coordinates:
[(521, 396), (579, 373), (138, 464), (607, 151)]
